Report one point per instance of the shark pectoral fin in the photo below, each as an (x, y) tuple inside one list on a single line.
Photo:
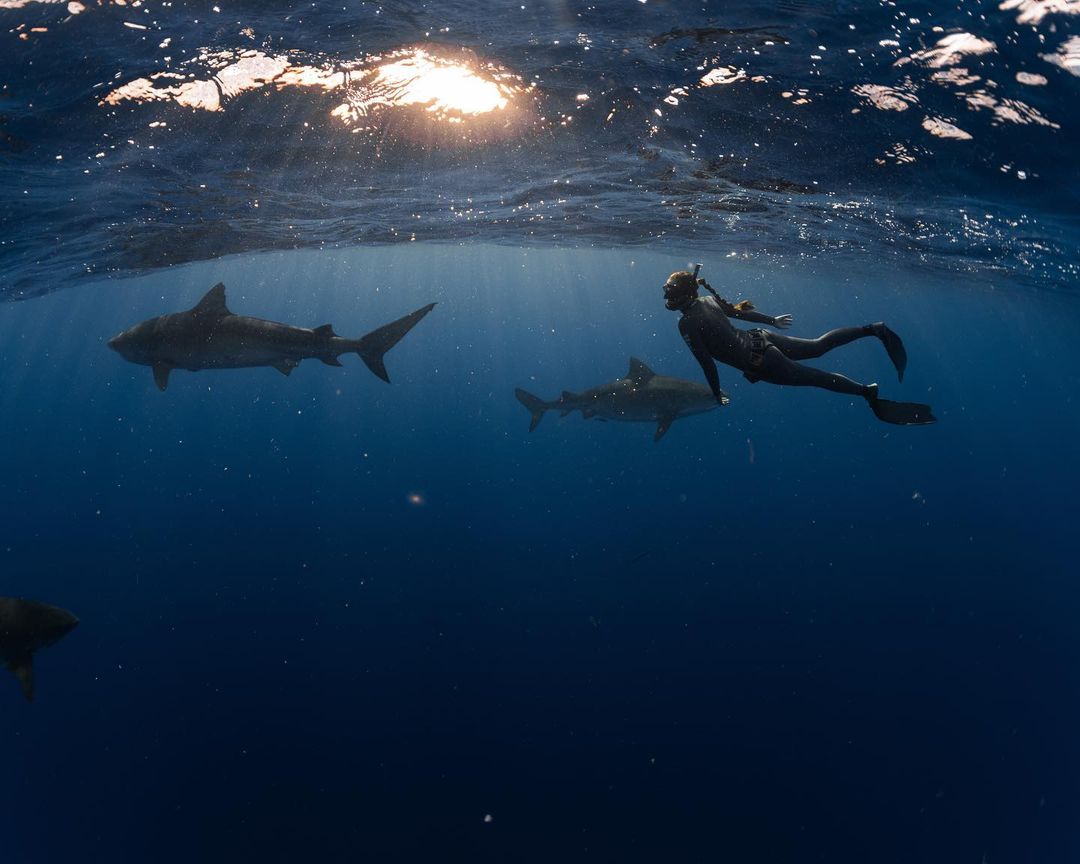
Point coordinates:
[(331, 361), (662, 425), (161, 375), (24, 671), (285, 367)]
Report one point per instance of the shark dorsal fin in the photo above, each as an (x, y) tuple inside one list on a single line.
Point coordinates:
[(639, 372), (326, 331), (24, 671), (212, 306)]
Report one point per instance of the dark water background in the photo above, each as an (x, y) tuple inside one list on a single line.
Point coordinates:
[(786, 632)]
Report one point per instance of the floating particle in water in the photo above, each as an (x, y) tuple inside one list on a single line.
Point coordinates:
[(488, 818), (416, 499)]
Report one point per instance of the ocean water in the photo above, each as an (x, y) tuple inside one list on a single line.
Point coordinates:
[(785, 632), (327, 619)]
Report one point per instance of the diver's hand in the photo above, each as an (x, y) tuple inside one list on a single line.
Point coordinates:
[(782, 321)]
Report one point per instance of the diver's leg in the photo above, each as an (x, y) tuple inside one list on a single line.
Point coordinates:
[(778, 369), (806, 349)]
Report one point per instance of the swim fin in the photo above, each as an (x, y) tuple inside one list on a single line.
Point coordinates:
[(894, 346), (902, 413)]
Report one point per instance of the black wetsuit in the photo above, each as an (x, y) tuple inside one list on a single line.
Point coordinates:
[(759, 354)]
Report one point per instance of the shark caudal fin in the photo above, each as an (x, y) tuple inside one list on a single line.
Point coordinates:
[(535, 404), (375, 344)]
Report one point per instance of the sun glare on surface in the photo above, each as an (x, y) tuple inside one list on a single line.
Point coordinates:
[(449, 87), (441, 85)]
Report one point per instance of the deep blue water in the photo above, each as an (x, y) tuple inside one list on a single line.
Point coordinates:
[(325, 619), (786, 632)]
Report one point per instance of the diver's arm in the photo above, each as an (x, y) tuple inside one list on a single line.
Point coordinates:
[(781, 322), (697, 347)]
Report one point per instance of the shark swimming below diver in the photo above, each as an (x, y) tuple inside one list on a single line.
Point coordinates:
[(642, 396), (209, 336), (26, 627)]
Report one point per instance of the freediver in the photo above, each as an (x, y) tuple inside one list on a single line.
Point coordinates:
[(764, 356)]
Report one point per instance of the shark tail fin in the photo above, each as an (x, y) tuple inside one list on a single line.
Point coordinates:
[(375, 344), (535, 404)]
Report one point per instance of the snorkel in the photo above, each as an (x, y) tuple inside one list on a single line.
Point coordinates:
[(702, 282)]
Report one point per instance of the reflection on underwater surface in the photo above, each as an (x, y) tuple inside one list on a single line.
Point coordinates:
[(812, 129), (448, 88), (785, 632)]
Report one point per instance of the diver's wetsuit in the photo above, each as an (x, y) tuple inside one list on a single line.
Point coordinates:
[(760, 355)]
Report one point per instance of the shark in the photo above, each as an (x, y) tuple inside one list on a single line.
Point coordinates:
[(26, 627), (641, 396), (209, 336)]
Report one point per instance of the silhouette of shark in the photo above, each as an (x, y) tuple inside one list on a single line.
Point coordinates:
[(642, 396), (26, 627), (209, 336)]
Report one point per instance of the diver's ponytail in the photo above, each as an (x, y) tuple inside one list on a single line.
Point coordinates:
[(709, 288), (741, 306)]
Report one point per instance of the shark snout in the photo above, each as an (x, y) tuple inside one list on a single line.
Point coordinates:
[(122, 343)]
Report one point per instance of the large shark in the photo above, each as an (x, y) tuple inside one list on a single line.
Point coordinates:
[(26, 627), (642, 396), (209, 336)]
